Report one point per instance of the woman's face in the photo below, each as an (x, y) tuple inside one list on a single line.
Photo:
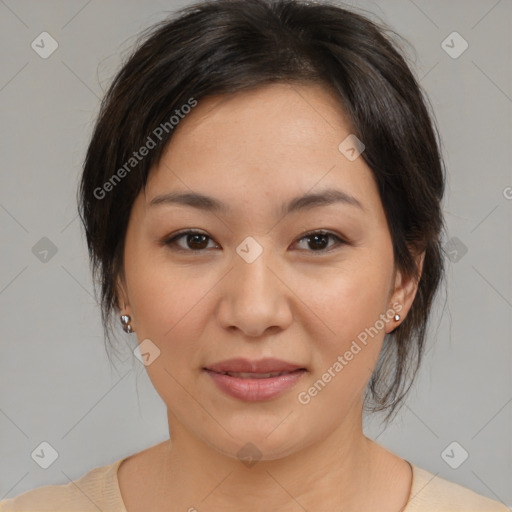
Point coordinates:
[(255, 286)]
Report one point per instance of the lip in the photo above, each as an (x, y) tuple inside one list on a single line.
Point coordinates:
[(255, 388), (241, 365)]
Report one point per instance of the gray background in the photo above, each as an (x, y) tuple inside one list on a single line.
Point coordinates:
[(56, 381)]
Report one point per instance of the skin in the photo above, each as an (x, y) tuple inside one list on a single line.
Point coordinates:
[(254, 151)]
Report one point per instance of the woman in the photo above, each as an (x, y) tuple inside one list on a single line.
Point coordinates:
[(262, 204)]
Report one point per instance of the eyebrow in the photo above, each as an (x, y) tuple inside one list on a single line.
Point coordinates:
[(305, 202)]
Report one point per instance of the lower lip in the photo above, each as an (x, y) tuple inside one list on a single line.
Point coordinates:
[(254, 390)]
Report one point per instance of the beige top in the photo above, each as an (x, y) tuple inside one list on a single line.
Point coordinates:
[(99, 490)]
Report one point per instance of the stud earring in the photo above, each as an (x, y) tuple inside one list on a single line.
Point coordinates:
[(125, 321), (397, 317)]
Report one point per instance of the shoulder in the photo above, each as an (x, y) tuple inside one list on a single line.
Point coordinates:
[(430, 493), (96, 490)]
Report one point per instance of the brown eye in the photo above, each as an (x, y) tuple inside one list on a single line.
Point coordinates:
[(317, 241), (194, 241)]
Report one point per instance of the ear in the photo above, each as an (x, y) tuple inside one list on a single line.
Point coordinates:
[(404, 292), (122, 301)]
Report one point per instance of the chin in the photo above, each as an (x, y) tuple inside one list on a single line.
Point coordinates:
[(263, 443), (250, 451)]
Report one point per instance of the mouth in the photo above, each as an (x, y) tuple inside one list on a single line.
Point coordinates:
[(249, 375), (254, 380), (240, 367)]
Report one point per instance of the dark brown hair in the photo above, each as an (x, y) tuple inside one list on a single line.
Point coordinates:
[(225, 46)]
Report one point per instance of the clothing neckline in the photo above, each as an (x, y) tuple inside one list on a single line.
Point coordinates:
[(115, 478), (412, 491)]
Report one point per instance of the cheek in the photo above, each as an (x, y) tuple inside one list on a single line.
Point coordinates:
[(172, 308), (344, 359), (349, 308), (166, 303), (161, 293)]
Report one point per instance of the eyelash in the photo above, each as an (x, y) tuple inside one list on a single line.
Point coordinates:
[(172, 241)]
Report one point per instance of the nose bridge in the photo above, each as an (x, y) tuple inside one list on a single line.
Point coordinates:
[(252, 273), (254, 298)]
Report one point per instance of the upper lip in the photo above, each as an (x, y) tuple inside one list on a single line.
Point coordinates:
[(241, 365)]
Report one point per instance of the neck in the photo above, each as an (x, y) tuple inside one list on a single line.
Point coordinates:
[(338, 469)]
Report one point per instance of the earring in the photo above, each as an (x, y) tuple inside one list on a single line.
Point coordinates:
[(397, 317), (125, 321)]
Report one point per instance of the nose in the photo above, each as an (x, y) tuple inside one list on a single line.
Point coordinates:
[(255, 298)]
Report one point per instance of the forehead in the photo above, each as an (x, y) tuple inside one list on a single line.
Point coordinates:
[(276, 119), (265, 144)]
